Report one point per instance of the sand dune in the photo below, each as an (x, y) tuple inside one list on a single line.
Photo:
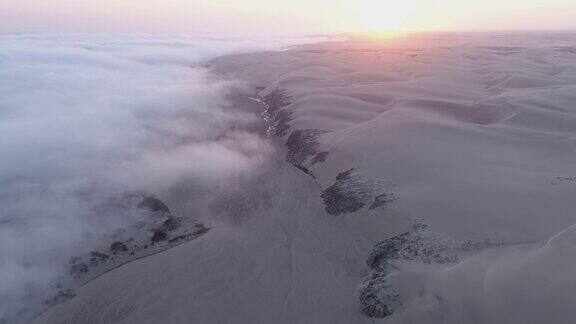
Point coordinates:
[(482, 114), (449, 159)]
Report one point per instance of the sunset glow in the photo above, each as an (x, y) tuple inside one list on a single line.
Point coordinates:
[(276, 17), (375, 16)]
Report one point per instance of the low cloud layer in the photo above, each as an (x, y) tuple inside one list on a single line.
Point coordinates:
[(87, 117)]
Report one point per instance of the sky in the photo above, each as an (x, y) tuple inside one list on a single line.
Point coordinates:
[(271, 17)]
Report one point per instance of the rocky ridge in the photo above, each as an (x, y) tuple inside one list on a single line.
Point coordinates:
[(157, 231), (378, 293)]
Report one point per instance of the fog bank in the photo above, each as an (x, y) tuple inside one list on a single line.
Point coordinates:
[(85, 118)]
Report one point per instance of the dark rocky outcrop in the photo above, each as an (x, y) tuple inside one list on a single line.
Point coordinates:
[(351, 192), (377, 295), (154, 205)]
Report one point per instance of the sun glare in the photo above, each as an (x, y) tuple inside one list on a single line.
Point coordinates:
[(373, 22), (385, 17)]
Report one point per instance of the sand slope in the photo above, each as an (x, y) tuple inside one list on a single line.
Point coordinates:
[(470, 127), (471, 134), (263, 270)]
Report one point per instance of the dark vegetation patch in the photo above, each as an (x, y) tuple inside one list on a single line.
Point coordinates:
[(154, 230), (351, 192), (118, 247), (382, 200), (77, 270), (200, 229), (276, 100), (305, 170), (277, 117), (171, 224), (563, 180), (377, 294), (566, 49), (320, 158), (180, 238), (304, 149), (62, 296), (154, 205), (159, 236), (303, 144), (96, 258)]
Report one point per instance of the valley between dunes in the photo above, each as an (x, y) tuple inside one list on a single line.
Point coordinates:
[(427, 179)]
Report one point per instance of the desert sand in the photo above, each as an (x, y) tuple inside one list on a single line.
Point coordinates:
[(423, 179)]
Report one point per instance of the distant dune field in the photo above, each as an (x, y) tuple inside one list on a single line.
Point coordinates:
[(427, 179)]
